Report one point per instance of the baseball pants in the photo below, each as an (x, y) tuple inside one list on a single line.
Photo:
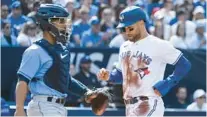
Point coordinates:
[(39, 106), (153, 107)]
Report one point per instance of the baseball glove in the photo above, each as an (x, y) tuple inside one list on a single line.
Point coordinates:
[(99, 99)]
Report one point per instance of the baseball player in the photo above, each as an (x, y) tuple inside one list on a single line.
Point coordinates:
[(142, 62), (45, 65)]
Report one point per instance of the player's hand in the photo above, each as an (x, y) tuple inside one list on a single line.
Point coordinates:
[(103, 74), (20, 112), (157, 92)]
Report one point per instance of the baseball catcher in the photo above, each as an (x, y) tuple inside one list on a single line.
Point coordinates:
[(44, 69)]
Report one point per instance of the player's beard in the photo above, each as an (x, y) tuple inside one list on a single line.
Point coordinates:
[(133, 38)]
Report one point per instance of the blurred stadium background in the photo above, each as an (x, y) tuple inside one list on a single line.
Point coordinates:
[(95, 43)]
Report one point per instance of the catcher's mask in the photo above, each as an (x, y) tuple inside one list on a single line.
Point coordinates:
[(56, 20)]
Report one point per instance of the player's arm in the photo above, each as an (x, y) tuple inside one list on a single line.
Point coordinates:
[(28, 68), (21, 94), (80, 89), (115, 76), (182, 67), (77, 87)]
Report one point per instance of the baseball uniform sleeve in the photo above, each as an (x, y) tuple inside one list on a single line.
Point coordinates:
[(118, 66), (169, 54), (77, 88), (116, 74), (30, 64), (182, 67)]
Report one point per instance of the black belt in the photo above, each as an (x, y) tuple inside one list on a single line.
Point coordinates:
[(58, 100), (136, 99)]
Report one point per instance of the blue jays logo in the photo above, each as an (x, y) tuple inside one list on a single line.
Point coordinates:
[(121, 17)]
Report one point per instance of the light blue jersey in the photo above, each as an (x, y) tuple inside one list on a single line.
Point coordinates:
[(35, 63)]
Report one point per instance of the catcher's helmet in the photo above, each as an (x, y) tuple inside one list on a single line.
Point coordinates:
[(131, 15), (47, 14)]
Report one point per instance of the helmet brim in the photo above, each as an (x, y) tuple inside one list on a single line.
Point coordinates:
[(122, 25)]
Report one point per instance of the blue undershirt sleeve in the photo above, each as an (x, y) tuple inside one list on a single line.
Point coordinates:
[(116, 76), (23, 78), (77, 88), (182, 67)]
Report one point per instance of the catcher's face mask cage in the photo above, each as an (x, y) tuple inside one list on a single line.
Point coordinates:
[(62, 28), (56, 20)]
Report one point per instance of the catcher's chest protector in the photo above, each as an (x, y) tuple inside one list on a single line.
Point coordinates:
[(57, 77)]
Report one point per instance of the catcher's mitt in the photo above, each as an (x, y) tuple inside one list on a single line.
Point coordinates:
[(99, 99)]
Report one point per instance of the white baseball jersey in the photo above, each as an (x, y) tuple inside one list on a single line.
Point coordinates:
[(143, 64)]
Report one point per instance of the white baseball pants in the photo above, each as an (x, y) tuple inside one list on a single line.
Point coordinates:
[(155, 109), (39, 106)]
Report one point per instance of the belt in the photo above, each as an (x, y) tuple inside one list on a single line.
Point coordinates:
[(136, 99), (58, 100), (50, 99)]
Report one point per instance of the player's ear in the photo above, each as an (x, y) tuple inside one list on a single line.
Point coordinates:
[(141, 23)]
